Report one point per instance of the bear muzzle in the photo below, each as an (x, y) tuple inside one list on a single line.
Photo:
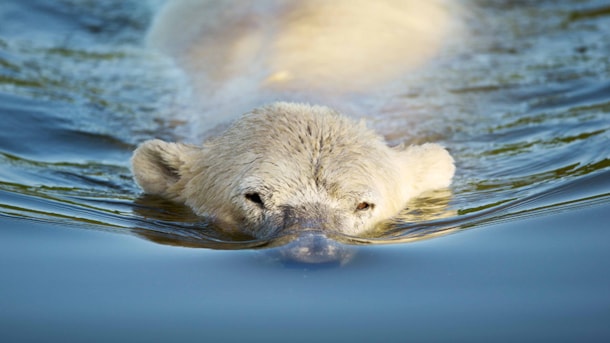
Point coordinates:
[(310, 217), (305, 233)]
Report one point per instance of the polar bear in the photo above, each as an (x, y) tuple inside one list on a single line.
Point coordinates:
[(291, 167)]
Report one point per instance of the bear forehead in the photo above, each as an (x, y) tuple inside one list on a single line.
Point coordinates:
[(289, 179), (309, 136), (303, 146), (295, 128), (318, 139)]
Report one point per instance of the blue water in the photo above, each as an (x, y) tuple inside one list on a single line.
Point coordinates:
[(518, 251)]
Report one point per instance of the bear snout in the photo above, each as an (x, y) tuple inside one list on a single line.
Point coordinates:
[(310, 217)]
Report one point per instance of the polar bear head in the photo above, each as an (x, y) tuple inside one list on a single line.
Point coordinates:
[(291, 167)]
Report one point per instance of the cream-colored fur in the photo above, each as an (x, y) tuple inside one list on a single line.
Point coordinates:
[(290, 166)]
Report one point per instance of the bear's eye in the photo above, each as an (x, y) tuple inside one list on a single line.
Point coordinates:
[(255, 198), (364, 206)]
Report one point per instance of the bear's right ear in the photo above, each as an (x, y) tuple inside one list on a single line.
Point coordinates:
[(158, 166), (427, 167)]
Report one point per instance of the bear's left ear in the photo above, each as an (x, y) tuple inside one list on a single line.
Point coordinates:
[(158, 166), (428, 166)]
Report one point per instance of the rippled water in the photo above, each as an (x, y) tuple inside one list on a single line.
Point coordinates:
[(523, 105)]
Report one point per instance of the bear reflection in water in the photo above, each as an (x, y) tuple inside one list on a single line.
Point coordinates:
[(312, 247)]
